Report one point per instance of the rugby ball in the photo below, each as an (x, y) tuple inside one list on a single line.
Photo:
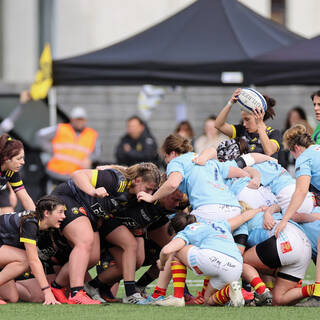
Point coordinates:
[(250, 99)]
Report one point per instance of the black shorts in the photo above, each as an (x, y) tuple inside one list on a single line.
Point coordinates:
[(74, 209), (268, 253), (152, 252), (158, 223), (5, 198), (107, 227)]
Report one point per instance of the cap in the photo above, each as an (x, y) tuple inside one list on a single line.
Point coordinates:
[(228, 150), (78, 113)]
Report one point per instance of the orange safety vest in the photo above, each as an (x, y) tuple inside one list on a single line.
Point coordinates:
[(69, 149)]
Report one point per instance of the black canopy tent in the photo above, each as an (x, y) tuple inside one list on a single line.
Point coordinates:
[(192, 47), (296, 64)]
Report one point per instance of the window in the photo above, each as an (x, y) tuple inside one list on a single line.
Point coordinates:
[(278, 12)]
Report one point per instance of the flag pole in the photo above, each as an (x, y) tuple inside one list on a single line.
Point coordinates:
[(52, 97)]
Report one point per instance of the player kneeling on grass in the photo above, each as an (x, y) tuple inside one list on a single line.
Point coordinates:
[(18, 242), (208, 250)]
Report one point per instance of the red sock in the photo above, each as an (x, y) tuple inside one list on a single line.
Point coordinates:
[(221, 297), (158, 292), (258, 285), (307, 291), (205, 284), (179, 275)]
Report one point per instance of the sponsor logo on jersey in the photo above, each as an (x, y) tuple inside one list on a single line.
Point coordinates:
[(75, 210), (83, 210)]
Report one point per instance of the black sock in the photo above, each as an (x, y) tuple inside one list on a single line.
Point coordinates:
[(74, 290), (107, 290), (55, 285), (186, 290), (96, 283), (130, 287), (316, 297), (144, 280), (246, 285)]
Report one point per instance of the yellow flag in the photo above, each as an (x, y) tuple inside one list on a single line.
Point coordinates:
[(43, 81)]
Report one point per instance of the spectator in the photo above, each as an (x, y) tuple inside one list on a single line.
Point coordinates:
[(316, 105), (295, 116), (137, 145), (7, 195), (184, 129), (72, 146), (211, 136)]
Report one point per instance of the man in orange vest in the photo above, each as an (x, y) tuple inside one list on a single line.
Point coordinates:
[(73, 146)]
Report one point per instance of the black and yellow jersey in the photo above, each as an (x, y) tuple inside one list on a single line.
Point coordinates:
[(13, 178), (117, 187), (12, 234), (253, 139)]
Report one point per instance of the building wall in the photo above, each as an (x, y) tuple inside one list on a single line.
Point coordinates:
[(109, 107)]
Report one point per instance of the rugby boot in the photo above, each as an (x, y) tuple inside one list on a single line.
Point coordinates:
[(93, 292), (82, 298), (310, 302), (133, 299), (171, 301), (264, 299), (235, 294), (60, 295)]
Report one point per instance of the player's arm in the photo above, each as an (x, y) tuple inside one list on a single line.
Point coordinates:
[(221, 123), (167, 188), (85, 180), (207, 154), (255, 177), (237, 221), (38, 272), (25, 199), (168, 250), (302, 187)]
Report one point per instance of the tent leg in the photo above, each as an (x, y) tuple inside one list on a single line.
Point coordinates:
[(52, 96)]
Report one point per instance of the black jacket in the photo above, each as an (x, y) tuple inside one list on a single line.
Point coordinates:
[(144, 149)]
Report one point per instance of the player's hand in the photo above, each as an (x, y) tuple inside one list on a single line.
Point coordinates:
[(268, 221), (49, 298), (199, 160), (234, 97), (159, 265), (258, 114), (145, 197), (254, 183), (281, 225), (101, 192)]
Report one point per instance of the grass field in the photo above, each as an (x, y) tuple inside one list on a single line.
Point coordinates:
[(30, 311)]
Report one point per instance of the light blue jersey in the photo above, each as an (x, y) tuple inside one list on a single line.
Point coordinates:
[(308, 164), (203, 185), (236, 185), (216, 237), (274, 176), (255, 231), (312, 230)]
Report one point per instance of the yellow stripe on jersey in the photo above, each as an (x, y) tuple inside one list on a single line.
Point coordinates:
[(28, 241), (276, 142), (94, 177), (9, 173), (122, 186), (234, 131), (16, 184)]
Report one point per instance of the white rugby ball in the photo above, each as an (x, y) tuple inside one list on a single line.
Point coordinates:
[(250, 99)]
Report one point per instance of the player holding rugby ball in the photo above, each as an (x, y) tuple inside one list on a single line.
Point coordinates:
[(255, 110)]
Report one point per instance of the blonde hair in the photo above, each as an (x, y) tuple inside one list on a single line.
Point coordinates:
[(244, 206), (297, 135), (148, 171), (175, 142)]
